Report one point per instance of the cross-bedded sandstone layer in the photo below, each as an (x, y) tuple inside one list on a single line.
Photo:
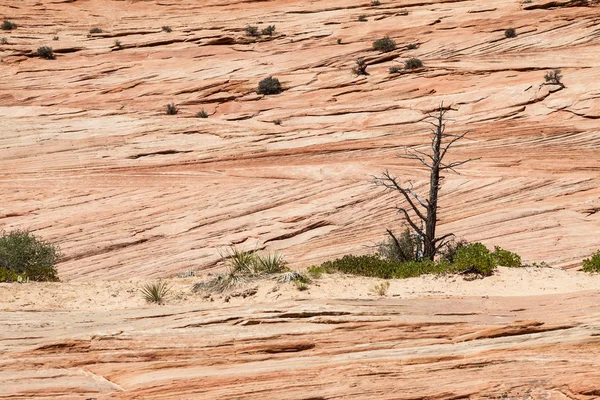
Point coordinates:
[(91, 160)]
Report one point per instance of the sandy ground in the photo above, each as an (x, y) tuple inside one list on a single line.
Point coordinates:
[(116, 295)]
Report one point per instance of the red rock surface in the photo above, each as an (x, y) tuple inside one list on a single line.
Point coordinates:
[(91, 160)]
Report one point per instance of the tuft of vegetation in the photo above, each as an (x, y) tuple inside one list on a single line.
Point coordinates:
[(277, 122), (411, 46), (360, 68), (8, 25), (301, 285), (592, 264), (372, 265), (291, 276), (172, 109), (375, 3), (510, 33), (413, 63), (202, 114), (55, 38), (167, 29), (95, 30), (269, 85), (155, 292), (362, 18), (395, 69), (339, 41), (384, 45), (118, 43), (554, 77), (400, 249), (448, 252), (475, 259), (506, 258), (45, 52), (381, 289), (25, 256), (270, 263), (4, 41), (315, 271), (268, 31), (252, 31)]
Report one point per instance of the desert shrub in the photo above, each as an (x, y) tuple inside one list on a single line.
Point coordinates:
[(269, 85), (339, 41), (510, 33), (413, 63), (8, 25), (251, 30), (411, 46), (375, 3), (381, 289), (172, 109), (24, 254), (360, 68), (155, 292), (400, 249), (474, 258), (167, 29), (270, 263), (95, 30), (301, 285), (277, 122), (395, 69), (376, 267), (202, 114), (506, 258), (117, 43), (592, 264), (384, 45), (553, 77), (4, 41), (269, 30), (45, 52), (362, 18), (448, 252), (315, 271), (55, 38)]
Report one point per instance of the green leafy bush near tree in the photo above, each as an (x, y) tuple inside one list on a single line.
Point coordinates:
[(506, 258), (475, 258), (592, 264), (24, 255)]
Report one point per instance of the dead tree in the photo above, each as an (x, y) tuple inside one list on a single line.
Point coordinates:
[(418, 211)]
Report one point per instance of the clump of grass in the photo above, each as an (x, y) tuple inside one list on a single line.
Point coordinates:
[(510, 33), (22, 254), (55, 38), (411, 46), (381, 289), (277, 122), (269, 30), (118, 44), (252, 31), (269, 86), (4, 41), (384, 45), (172, 109), (95, 30), (45, 52), (301, 285), (413, 63), (202, 114), (554, 77), (360, 68), (315, 271), (167, 29), (375, 3), (362, 18), (8, 25), (592, 264), (155, 292), (395, 69)]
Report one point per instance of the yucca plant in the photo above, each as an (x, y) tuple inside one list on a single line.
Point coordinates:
[(271, 263), (202, 114), (155, 292)]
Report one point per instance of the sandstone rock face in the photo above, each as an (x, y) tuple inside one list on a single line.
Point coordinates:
[(544, 347), (92, 161)]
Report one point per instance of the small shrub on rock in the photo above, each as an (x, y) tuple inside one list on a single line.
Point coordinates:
[(252, 31), (592, 264), (413, 63), (362, 18), (95, 30), (510, 33), (167, 29), (476, 259), (269, 85), (202, 114), (375, 3), (506, 258), (384, 45), (268, 31), (8, 25), (172, 109), (411, 46), (25, 255), (395, 69), (360, 68), (554, 77), (45, 52)]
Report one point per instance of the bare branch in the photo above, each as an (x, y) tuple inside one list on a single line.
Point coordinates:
[(410, 221), (456, 164), (390, 182), (443, 237)]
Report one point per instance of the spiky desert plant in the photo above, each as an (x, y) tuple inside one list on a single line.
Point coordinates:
[(239, 261), (202, 114), (360, 68), (270, 263), (554, 77), (172, 109), (155, 292), (45, 52)]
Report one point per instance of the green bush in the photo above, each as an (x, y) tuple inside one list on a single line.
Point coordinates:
[(360, 68), (202, 114), (510, 33), (172, 109), (23, 254), (269, 85), (411, 46), (95, 30), (506, 258), (8, 25), (167, 29), (45, 52), (375, 3), (384, 45), (413, 63), (474, 258), (269, 30), (448, 252), (252, 31), (592, 264), (377, 267), (362, 18), (400, 249)]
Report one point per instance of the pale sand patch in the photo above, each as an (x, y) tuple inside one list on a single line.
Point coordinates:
[(115, 295)]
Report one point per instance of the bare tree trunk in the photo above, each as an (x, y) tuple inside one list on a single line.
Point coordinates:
[(426, 211)]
